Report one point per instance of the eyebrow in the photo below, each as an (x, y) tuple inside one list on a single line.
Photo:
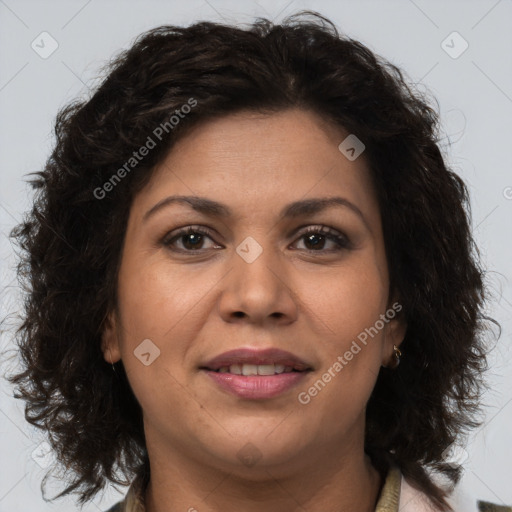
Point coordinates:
[(292, 210)]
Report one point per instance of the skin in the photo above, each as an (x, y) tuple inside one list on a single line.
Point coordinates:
[(312, 303)]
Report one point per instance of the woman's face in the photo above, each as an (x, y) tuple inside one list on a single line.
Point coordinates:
[(257, 281)]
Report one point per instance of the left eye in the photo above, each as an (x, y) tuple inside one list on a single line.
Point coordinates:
[(314, 233), (193, 237)]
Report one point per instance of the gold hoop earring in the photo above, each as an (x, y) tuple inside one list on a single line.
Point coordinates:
[(396, 355)]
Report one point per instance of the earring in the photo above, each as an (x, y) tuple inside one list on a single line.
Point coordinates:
[(396, 354), (113, 367)]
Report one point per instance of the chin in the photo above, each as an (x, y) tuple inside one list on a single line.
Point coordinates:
[(254, 451)]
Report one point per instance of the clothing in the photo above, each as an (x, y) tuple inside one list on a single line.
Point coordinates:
[(485, 506), (397, 495)]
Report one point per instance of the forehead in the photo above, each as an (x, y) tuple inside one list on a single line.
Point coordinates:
[(257, 162)]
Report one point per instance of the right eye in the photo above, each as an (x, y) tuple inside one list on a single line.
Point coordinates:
[(191, 238)]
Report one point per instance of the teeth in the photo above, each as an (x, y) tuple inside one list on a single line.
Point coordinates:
[(266, 369), (249, 369), (236, 369), (256, 369)]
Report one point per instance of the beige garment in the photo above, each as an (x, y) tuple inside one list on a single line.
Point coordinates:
[(398, 496)]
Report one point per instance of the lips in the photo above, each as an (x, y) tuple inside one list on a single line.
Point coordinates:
[(253, 374), (256, 362)]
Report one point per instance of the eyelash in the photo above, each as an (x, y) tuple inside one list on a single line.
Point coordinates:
[(330, 234)]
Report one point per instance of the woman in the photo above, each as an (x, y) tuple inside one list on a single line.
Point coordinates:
[(252, 281)]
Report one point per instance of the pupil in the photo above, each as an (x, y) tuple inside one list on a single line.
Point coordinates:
[(311, 237), (192, 237)]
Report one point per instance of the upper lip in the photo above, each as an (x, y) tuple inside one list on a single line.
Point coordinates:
[(253, 356)]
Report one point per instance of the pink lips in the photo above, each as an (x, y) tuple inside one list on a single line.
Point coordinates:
[(256, 386)]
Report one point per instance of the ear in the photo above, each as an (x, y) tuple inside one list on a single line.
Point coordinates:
[(109, 339), (394, 332)]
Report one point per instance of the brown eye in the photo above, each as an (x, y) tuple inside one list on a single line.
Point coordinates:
[(315, 239), (191, 239)]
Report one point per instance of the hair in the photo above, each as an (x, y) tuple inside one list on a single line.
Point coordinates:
[(72, 237)]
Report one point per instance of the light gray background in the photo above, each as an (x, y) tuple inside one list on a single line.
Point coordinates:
[(475, 96)]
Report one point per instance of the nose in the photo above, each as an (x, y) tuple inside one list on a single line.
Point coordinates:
[(259, 287)]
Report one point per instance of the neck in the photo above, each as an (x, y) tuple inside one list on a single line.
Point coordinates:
[(330, 483)]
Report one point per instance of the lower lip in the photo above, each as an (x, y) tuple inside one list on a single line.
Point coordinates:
[(257, 386)]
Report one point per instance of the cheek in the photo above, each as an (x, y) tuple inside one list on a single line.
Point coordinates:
[(349, 307), (162, 310), (349, 300), (158, 300), (152, 302)]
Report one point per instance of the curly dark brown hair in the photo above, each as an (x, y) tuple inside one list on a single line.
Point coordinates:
[(71, 240)]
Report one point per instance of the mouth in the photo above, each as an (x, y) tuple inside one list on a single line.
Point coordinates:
[(256, 374), (246, 361), (257, 369)]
